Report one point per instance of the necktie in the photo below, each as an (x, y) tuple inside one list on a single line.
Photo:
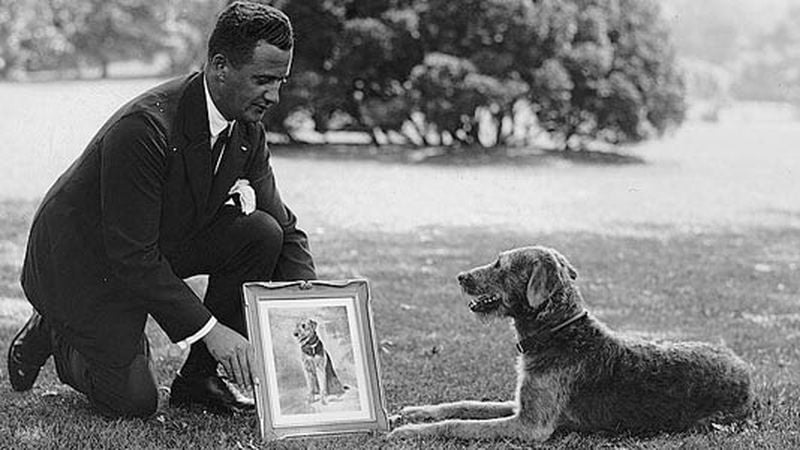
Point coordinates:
[(216, 150)]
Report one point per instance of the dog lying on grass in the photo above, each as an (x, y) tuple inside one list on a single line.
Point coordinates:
[(575, 373), (321, 378)]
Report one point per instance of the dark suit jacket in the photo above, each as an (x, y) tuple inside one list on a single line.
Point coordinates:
[(95, 263)]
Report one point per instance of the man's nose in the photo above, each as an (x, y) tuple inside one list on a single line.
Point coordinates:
[(272, 94)]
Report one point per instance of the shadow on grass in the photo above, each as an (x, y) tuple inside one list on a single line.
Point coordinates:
[(463, 156), (738, 288)]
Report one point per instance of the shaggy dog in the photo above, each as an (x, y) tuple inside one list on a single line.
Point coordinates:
[(321, 378), (575, 373)]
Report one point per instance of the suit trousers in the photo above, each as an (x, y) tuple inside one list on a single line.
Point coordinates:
[(233, 249)]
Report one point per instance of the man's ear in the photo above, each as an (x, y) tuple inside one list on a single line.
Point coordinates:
[(218, 65), (537, 291)]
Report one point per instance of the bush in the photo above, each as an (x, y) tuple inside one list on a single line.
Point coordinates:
[(593, 70)]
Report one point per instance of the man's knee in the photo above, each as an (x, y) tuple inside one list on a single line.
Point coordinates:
[(264, 231), (134, 394), (140, 404)]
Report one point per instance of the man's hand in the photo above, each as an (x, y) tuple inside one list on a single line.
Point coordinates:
[(233, 351)]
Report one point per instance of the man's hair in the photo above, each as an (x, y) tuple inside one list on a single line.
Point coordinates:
[(242, 25)]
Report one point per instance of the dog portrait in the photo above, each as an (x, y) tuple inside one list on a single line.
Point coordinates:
[(576, 374), (318, 369), (316, 358)]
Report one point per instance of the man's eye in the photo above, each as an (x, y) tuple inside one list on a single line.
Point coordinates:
[(272, 80)]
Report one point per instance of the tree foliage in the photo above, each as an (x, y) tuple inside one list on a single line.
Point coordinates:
[(432, 71), (63, 34), (769, 70), (590, 69)]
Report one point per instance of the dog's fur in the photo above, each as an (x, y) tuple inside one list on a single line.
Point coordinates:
[(321, 378), (576, 374)]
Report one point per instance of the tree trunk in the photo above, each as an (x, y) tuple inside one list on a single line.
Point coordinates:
[(373, 133), (104, 62), (422, 133), (408, 138), (498, 136)]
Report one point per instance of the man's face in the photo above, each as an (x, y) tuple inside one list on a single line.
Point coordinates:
[(246, 92)]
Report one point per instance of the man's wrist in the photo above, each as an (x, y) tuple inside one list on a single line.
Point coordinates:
[(200, 334)]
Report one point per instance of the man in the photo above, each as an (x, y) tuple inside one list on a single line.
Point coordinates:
[(176, 183)]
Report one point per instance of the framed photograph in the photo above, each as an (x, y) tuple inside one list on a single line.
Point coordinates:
[(317, 367)]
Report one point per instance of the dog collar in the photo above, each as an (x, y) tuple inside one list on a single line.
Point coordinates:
[(310, 348), (524, 345)]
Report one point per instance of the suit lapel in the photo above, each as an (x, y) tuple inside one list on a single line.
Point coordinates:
[(198, 167), (193, 117), (231, 167)]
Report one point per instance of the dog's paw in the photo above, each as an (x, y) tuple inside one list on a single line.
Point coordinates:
[(395, 420), (417, 413)]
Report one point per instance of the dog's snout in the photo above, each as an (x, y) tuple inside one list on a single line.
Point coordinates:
[(464, 279)]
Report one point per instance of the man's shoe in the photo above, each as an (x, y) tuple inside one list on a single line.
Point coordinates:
[(28, 352), (210, 391)]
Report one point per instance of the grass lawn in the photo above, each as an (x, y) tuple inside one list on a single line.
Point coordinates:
[(736, 288), (702, 242)]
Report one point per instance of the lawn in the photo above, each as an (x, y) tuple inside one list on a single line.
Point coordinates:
[(702, 242)]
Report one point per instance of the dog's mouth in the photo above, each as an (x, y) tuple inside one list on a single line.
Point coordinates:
[(485, 303)]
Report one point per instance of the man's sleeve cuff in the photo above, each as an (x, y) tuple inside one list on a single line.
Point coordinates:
[(184, 344)]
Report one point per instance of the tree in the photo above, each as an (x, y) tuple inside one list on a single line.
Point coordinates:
[(101, 31), (62, 34), (495, 37), (769, 69), (32, 36), (611, 77), (187, 25), (456, 72)]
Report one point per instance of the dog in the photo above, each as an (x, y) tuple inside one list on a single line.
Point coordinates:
[(577, 375), (321, 378)]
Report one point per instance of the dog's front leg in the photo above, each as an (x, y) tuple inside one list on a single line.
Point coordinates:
[(503, 428), (467, 409), (311, 379), (322, 376)]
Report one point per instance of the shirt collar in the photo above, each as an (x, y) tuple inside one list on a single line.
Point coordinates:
[(216, 121)]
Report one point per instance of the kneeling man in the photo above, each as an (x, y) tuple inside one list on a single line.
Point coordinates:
[(176, 183)]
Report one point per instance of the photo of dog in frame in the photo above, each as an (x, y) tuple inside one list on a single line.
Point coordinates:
[(314, 360), (576, 374), (318, 369)]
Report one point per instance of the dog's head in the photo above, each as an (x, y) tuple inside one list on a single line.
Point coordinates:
[(517, 282), (304, 330)]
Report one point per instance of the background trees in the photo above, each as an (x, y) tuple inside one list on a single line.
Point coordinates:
[(426, 72), (66, 35), (458, 73), (770, 68)]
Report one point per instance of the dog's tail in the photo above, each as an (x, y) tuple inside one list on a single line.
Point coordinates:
[(335, 387)]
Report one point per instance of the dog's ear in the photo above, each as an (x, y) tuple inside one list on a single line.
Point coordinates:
[(312, 323), (537, 291), (551, 271)]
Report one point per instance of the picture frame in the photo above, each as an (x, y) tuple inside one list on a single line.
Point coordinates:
[(316, 358)]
